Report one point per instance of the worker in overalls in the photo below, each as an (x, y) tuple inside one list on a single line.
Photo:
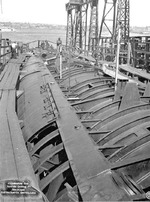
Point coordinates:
[(59, 43), (14, 49)]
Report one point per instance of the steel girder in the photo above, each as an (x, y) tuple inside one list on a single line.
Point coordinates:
[(118, 13), (69, 34), (77, 24), (123, 20), (108, 17), (93, 29)]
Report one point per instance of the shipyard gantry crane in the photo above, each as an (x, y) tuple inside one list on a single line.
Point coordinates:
[(108, 22), (115, 15), (77, 23), (93, 28), (79, 34)]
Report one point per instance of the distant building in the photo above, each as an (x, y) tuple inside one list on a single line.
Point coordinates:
[(7, 29)]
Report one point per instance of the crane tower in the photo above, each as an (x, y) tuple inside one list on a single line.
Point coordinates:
[(77, 23), (93, 28), (116, 13)]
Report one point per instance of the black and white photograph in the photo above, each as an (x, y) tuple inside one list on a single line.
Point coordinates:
[(74, 100)]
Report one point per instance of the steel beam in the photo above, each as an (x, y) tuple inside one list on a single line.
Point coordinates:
[(93, 28)]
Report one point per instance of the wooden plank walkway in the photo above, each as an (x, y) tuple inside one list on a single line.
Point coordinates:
[(15, 163)]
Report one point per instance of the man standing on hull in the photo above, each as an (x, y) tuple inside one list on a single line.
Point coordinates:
[(14, 50)]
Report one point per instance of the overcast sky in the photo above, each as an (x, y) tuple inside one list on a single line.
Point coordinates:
[(53, 11)]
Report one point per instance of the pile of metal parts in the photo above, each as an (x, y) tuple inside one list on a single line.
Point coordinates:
[(86, 142)]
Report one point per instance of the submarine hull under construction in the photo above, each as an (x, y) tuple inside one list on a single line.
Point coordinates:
[(86, 141), (75, 120)]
